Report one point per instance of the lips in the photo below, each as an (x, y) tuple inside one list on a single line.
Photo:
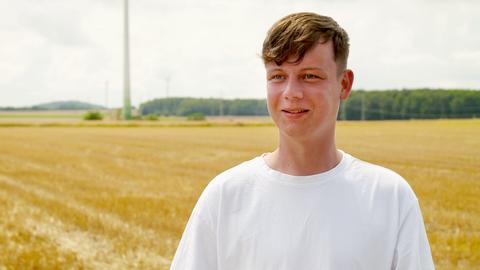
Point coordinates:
[(295, 111)]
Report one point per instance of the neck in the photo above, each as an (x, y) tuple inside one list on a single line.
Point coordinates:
[(304, 157)]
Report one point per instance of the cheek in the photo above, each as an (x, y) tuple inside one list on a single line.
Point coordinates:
[(273, 95), (273, 101), (328, 92)]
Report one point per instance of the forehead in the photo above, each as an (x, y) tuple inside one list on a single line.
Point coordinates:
[(321, 55)]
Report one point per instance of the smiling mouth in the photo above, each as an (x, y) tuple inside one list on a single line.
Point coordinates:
[(295, 111)]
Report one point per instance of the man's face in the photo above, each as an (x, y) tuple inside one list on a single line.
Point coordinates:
[(303, 98)]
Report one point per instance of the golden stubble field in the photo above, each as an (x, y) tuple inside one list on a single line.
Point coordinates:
[(119, 198)]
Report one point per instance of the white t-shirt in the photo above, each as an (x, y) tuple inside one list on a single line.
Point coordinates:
[(354, 216)]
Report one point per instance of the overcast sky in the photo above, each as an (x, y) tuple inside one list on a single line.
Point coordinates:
[(53, 50)]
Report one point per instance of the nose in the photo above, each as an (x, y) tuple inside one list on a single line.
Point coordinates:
[(293, 89)]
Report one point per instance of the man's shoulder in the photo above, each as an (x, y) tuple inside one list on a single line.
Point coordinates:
[(241, 173), (231, 181), (367, 169), (379, 177)]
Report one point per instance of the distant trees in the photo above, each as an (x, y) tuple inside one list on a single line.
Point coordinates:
[(367, 105), (210, 106), (411, 104)]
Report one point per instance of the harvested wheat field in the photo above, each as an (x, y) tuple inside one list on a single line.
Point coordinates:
[(119, 198)]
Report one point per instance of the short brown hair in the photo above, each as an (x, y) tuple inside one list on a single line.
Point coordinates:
[(295, 34)]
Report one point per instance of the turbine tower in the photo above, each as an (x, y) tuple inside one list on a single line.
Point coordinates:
[(127, 104)]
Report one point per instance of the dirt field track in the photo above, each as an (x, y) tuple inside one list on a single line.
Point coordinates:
[(119, 198)]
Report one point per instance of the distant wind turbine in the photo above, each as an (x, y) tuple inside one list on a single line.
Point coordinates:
[(127, 108)]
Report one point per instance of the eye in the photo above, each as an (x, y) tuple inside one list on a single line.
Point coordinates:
[(310, 76), (276, 77)]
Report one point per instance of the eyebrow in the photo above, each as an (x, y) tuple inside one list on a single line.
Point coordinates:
[(313, 68), (275, 69), (307, 68)]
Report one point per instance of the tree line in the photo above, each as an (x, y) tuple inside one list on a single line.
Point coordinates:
[(411, 104), (361, 105), (208, 106)]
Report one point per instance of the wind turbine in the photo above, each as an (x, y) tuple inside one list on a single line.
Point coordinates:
[(127, 104)]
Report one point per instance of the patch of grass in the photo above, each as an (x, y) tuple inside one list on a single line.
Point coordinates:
[(196, 117), (93, 115), (151, 117)]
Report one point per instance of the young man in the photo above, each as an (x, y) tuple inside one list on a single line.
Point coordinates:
[(306, 205)]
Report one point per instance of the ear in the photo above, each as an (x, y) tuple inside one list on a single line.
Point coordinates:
[(347, 82)]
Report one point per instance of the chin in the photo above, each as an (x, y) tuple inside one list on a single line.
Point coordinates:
[(294, 131), (306, 131)]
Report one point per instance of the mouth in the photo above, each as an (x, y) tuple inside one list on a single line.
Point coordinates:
[(295, 111)]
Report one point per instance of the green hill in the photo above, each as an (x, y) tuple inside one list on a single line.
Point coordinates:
[(58, 105), (67, 105)]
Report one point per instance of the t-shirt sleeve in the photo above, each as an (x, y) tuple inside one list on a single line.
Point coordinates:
[(197, 249), (412, 251)]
